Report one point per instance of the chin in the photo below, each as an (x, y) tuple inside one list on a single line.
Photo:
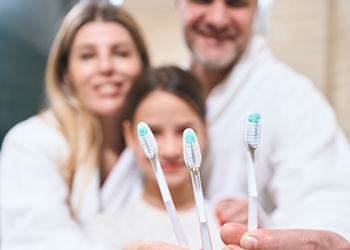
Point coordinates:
[(214, 63), (174, 182), (108, 110), (174, 186), (216, 59)]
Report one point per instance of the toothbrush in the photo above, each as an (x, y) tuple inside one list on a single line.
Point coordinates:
[(252, 140), (149, 147), (193, 159)]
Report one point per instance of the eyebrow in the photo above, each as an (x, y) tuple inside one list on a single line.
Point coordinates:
[(183, 125), (91, 45)]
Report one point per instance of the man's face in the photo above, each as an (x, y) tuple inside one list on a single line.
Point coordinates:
[(216, 31)]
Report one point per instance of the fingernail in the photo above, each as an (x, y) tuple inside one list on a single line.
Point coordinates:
[(249, 242), (219, 217)]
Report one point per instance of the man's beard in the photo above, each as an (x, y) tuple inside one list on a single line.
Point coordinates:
[(216, 63), (222, 61)]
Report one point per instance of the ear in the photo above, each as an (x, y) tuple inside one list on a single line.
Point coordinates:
[(177, 4), (128, 135), (66, 77), (206, 127)]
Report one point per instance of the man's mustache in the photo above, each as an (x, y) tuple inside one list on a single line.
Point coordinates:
[(219, 34)]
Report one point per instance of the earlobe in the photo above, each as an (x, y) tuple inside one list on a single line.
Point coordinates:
[(177, 6), (128, 135), (66, 78), (206, 127)]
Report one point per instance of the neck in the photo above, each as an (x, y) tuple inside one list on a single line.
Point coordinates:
[(209, 76), (112, 144), (182, 196), (212, 76)]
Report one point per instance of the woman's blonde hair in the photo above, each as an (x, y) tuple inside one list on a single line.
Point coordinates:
[(80, 127)]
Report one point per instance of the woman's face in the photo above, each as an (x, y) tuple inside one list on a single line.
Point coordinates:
[(168, 116), (103, 62)]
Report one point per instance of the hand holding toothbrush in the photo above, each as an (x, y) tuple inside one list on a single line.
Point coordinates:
[(236, 237), (252, 140), (235, 210), (232, 210)]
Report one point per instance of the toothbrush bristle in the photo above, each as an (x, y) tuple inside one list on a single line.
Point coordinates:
[(254, 117), (147, 140), (253, 130), (191, 150)]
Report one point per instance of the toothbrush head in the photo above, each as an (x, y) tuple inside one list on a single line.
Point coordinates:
[(253, 129), (147, 140), (191, 150)]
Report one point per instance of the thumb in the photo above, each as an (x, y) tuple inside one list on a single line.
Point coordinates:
[(231, 233), (265, 239)]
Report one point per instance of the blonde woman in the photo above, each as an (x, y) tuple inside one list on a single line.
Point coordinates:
[(69, 163)]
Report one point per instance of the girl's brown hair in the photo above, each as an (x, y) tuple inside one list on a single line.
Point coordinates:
[(170, 79)]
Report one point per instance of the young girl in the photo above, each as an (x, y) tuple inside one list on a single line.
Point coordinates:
[(169, 100)]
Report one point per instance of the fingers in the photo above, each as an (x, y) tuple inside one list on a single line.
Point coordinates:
[(236, 237), (235, 211), (231, 233), (151, 246), (264, 239), (232, 247)]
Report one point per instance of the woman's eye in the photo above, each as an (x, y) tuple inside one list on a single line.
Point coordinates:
[(86, 56)]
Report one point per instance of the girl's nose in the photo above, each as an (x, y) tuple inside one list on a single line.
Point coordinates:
[(171, 147)]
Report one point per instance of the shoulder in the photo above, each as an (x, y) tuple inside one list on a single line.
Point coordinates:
[(279, 85), (34, 126), (37, 134), (262, 61)]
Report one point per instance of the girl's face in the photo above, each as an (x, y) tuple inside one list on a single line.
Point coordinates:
[(103, 62), (168, 116)]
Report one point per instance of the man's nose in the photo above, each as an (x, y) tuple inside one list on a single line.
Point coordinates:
[(217, 17)]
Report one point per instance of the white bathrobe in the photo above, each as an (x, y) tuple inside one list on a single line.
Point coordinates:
[(141, 221), (303, 162), (34, 210)]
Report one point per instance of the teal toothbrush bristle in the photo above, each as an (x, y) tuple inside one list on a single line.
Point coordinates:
[(253, 129), (254, 117), (190, 137), (191, 150), (142, 130)]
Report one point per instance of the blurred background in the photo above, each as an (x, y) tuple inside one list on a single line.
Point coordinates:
[(312, 36)]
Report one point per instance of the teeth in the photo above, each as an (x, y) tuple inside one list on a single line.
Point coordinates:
[(107, 87)]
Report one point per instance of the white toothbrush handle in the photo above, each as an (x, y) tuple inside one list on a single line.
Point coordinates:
[(253, 193), (168, 202), (181, 238), (198, 196)]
